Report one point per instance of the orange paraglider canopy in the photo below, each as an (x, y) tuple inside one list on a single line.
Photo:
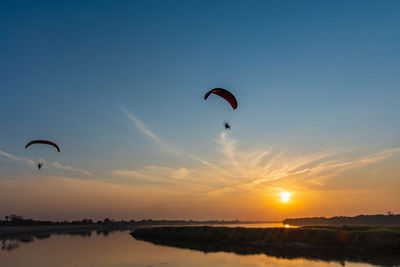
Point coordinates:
[(225, 94), (45, 142)]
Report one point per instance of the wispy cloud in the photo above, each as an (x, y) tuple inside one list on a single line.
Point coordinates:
[(29, 162), (146, 130), (238, 170), (57, 165), (13, 158)]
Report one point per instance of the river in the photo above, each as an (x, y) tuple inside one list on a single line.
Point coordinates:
[(120, 249)]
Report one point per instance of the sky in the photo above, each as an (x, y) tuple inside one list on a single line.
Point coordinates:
[(119, 86)]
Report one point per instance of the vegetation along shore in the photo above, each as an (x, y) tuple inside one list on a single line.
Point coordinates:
[(359, 237)]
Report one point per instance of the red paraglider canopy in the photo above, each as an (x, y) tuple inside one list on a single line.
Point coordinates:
[(228, 96), (43, 142)]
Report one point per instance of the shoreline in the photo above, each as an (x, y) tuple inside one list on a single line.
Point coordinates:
[(7, 231), (367, 237), (11, 231), (380, 257)]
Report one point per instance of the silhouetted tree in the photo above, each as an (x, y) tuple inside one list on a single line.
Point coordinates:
[(16, 217)]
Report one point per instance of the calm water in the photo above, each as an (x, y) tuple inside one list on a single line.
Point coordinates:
[(120, 249)]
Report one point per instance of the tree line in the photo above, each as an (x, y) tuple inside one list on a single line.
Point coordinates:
[(380, 219), (17, 220)]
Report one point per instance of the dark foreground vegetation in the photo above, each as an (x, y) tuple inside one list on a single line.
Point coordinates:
[(302, 243), (380, 219), (359, 237)]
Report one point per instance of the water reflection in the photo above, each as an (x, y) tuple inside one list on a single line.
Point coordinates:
[(12, 242), (119, 249), (382, 257)]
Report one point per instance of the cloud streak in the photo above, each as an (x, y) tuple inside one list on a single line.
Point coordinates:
[(57, 165), (144, 129), (28, 162), (13, 158), (239, 170)]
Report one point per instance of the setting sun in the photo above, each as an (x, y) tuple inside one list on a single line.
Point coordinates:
[(285, 196)]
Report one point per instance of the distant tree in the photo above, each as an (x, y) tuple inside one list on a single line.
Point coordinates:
[(87, 221), (389, 213), (15, 217)]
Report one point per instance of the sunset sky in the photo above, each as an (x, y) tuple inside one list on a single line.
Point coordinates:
[(119, 86)]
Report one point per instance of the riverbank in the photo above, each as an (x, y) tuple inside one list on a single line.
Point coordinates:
[(354, 237), (378, 219), (9, 231), (108, 226)]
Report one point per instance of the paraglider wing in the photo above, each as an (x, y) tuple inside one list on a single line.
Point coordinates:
[(45, 142), (225, 94)]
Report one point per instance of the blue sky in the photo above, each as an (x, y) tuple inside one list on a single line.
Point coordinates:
[(309, 76)]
